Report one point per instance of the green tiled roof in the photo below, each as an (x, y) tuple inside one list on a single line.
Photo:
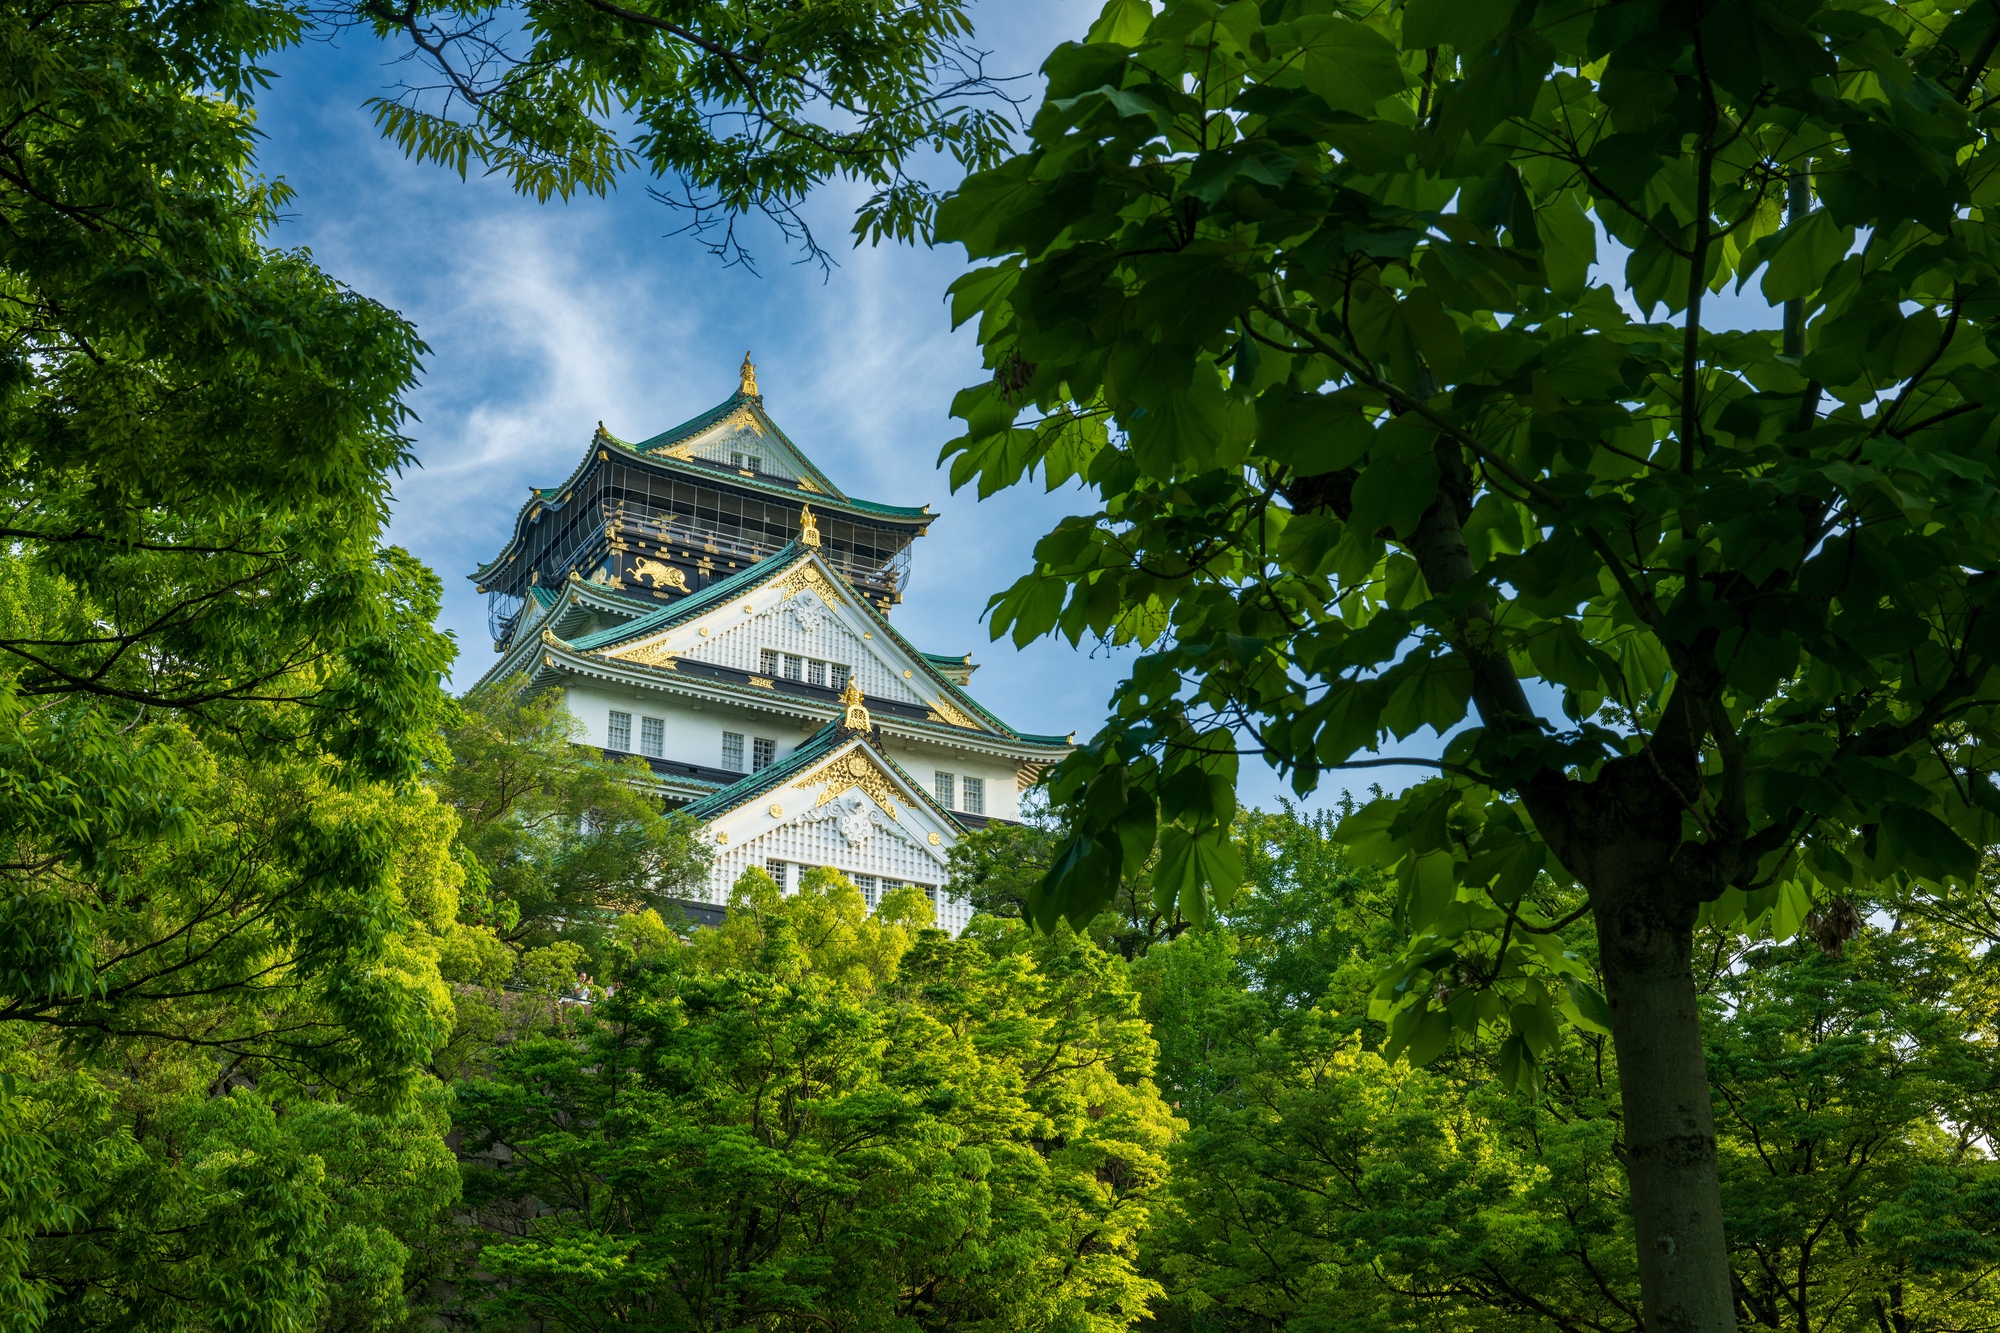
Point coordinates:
[(814, 748), (692, 605), (828, 498)]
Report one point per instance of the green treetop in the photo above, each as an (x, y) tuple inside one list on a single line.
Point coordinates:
[(817, 1116)]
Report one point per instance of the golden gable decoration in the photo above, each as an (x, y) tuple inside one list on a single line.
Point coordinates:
[(951, 717), (653, 654), (854, 770), (806, 575)]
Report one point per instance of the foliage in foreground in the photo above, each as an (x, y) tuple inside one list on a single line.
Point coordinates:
[(1303, 293), (1321, 1186), (224, 899), (815, 1116)]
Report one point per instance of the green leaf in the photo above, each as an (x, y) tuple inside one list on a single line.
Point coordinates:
[(1311, 433), (1464, 24), (1400, 481), (1122, 22), (1590, 1012), (1924, 843), (1349, 64), (1806, 253), (1569, 245)]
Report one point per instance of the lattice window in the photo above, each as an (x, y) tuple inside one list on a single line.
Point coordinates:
[(618, 735), (763, 752), (794, 667), (777, 871), (815, 673), (942, 783), (732, 751), (768, 662), (652, 737), (974, 794)]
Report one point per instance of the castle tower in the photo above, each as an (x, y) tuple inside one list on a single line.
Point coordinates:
[(711, 601)]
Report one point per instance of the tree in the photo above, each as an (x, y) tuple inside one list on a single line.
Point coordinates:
[(563, 837), (997, 868), (217, 686), (1322, 1186), (736, 107), (816, 1116), (1303, 292)]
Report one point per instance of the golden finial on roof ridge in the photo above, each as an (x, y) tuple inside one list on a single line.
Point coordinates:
[(857, 715), (808, 526), (749, 374)]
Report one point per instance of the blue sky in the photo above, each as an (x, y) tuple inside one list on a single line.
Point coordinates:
[(543, 319)]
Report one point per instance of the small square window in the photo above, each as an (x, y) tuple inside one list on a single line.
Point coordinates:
[(768, 662), (732, 751), (794, 667), (763, 750), (930, 892), (973, 790), (776, 870), (815, 673), (839, 678), (652, 737), (619, 733), (866, 883), (756, 464), (941, 783)]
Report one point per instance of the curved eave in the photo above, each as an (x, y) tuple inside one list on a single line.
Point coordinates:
[(687, 430), (825, 502), (775, 566), (822, 745), (555, 660)]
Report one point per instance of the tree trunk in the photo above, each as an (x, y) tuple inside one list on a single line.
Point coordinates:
[(1669, 1120)]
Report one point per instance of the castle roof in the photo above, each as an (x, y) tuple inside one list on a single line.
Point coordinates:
[(707, 448)]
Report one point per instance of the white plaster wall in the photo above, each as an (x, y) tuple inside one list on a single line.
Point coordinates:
[(737, 640), (693, 733), (884, 855)]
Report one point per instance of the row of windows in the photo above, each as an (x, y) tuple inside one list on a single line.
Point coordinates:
[(763, 752), (965, 795), (652, 734), (871, 888), (808, 669)]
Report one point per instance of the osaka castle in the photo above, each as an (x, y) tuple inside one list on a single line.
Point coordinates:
[(712, 602)]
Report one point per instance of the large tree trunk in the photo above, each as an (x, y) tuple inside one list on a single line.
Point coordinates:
[(1669, 1120)]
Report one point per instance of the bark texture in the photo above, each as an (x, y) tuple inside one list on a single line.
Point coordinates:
[(1669, 1118)]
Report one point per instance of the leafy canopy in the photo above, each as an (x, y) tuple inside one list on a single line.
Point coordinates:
[(1312, 297), (815, 1115), (735, 107)]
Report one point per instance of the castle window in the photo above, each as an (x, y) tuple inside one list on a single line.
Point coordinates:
[(763, 750), (794, 667), (652, 737), (941, 783), (776, 870), (974, 792), (839, 678), (732, 751), (768, 662), (815, 673), (866, 883), (618, 735)]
